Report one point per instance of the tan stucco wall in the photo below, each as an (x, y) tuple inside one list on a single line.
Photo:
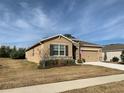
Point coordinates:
[(110, 55), (37, 54), (58, 40), (43, 50), (91, 54)]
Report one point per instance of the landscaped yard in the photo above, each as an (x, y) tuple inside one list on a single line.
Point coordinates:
[(18, 73), (116, 87)]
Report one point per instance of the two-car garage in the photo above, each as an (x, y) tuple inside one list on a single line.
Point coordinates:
[(91, 54)]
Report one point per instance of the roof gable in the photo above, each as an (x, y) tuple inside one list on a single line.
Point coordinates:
[(74, 41), (49, 38), (84, 43)]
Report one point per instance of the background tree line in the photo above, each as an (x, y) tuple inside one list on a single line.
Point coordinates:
[(14, 53)]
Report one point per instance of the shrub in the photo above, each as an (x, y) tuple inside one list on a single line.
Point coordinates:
[(17, 54), (81, 60), (41, 65), (115, 59), (55, 62), (122, 56)]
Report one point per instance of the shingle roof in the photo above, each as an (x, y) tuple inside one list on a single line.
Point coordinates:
[(84, 43), (113, 47), (49, 38)]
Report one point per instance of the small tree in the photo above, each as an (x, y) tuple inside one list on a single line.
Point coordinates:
[(21, 53), (122, 56), (69, 36), (3, 51), (17, 53), (14, 53), (8, 51), (105, 56)]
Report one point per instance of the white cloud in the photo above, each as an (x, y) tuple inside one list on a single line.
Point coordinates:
[(24, 4), (22, 24), (97, 25), (113, 21), (25, 27), (40, 19), (35, 22)]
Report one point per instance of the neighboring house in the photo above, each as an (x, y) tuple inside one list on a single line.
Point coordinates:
[(112, 50), (60, 46)]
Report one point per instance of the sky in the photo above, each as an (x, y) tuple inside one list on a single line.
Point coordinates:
[(26, 22)]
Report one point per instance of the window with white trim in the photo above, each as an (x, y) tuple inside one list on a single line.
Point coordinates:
[(58, 50)]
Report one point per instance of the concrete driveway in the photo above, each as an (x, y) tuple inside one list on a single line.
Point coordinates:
[(109, 65)]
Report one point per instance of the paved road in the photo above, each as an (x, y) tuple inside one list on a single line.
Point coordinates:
[(109, 65), (67, 85)]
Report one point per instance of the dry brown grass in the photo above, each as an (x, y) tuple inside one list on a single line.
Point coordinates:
[(18, 73), (116, 87)]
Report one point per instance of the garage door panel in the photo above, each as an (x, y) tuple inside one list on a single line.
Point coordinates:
[(90, 56)]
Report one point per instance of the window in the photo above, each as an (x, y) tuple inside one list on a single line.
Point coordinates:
[(62, 50), (58, 50), (55, 49)]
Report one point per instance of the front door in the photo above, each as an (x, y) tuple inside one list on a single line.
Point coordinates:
[(74, 52)]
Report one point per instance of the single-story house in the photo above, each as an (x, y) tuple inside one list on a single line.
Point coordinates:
[(112, 50), (60, 46)]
